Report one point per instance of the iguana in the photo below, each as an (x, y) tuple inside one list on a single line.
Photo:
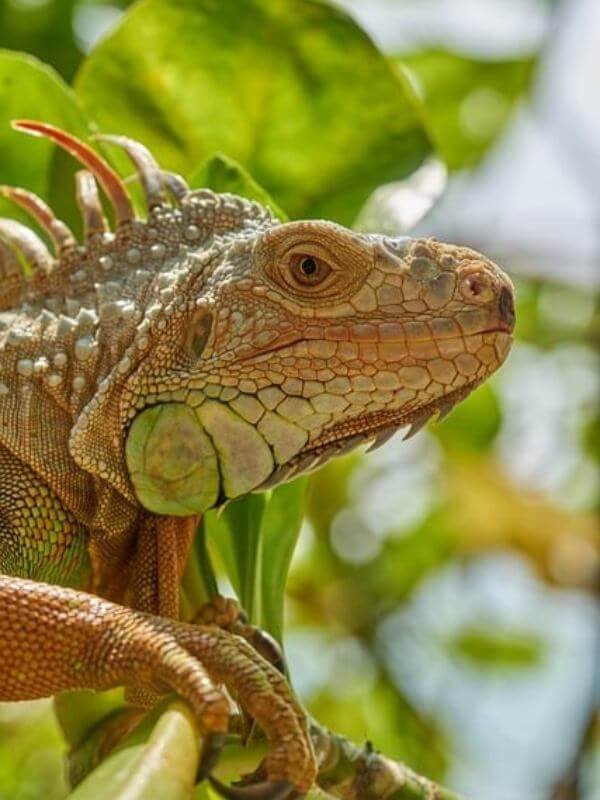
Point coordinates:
[(161, 369)]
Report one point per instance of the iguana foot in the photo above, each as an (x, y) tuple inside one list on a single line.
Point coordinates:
[(55, 639), (211, 750), (226, 613), (262, 693)]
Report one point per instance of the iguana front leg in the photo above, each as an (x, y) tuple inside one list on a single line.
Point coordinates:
[(162, 547), (53, 639)]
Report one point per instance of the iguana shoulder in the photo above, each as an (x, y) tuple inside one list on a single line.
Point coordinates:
[(76, 322)]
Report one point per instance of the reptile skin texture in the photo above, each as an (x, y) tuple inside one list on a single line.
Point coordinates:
[(177, 361)]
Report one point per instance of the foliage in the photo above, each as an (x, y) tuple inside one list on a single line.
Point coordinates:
[(255, 537), (223, 174), (163, 765), (265, 87), (468, 100)]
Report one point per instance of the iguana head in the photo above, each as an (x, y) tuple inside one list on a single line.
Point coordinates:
[(307, 340), (254, 351)]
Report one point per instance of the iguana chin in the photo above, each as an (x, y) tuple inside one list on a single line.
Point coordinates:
[(159, 370)]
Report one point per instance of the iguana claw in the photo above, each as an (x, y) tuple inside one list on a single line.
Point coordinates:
[(211, 750), (266, 790)]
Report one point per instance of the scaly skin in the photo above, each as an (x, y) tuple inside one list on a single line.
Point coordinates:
[(185, 360)]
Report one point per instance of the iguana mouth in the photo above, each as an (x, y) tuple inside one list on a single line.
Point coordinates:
[(375, 427)]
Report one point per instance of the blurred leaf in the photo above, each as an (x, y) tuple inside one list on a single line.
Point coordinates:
[(51, 29), (468, 101), (31, 752), (329, 491), (590, 437), (275, 87), (236, 533), (495, 649), (32, 90), (222, 174), (165, 766), (550, 313), (79, 712), (280, 531), (205, 792), (473, 424), (382, 714), (560, 542)]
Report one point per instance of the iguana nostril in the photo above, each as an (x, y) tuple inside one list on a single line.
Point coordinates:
[(506, 306)]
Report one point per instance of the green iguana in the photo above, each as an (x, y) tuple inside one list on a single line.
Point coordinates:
[(161, 369)]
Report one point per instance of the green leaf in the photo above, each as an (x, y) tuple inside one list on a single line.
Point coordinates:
[(467, 101), (473, 424), (255, 537), (164, 766), (79, 712), (222, 174), (280, 530), (236, 533), (497, 649), (276, 87), (30, 89)]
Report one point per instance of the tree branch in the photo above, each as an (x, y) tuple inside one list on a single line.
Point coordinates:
[(349, 772)]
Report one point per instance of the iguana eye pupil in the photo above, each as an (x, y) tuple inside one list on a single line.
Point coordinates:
[(308, 266)]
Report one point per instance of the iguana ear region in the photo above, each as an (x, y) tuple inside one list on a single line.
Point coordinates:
[(199, 333)]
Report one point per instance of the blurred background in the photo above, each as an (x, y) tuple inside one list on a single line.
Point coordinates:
[(443, 596)]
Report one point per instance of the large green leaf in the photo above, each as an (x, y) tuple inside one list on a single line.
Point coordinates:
[(256, 536), (163, 766), (31, 89), (79, 712), (292, 89), (468, 101), (236, 533), (280, 530)]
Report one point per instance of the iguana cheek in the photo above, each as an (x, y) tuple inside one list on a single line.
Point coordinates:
[(245, 458), (181, 459), (171, 461)]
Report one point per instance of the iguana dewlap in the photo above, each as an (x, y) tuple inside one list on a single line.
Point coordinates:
[(159, 370)]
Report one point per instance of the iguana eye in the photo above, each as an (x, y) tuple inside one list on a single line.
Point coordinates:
[(308, 270)]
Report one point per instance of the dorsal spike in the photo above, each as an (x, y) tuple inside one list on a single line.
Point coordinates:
[(10, 267), (145, 163), (106, 176), (27, 244), (176, 185), (88, 200), (58, 231)]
